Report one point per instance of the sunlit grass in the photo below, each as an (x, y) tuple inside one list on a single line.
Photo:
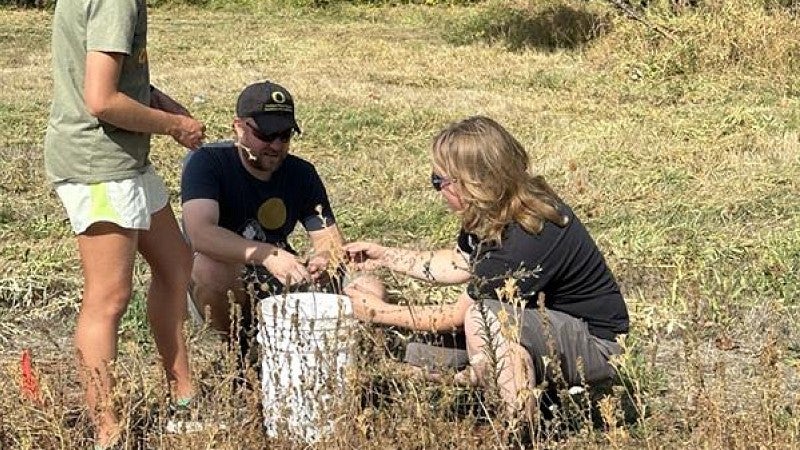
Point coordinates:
[(682, 158)]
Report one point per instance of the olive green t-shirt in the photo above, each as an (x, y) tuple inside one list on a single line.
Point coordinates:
[(79, 147)]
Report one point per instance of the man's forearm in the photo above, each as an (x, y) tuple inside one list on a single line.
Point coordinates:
[(224, 245)]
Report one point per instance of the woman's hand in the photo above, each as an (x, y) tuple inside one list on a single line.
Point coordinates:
[(365, 302), (186, 130), (365, 255)]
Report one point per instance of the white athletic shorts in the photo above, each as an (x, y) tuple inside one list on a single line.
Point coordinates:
[(128, 203)]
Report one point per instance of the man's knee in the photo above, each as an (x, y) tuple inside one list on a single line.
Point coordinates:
[(214, 276), (214, 286)]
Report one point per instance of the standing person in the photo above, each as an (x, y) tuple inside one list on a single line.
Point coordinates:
[(518, 239), (242, 200), (96, 153)]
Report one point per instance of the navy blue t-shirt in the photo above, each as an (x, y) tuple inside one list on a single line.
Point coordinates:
[(562, 262), (265, 211)]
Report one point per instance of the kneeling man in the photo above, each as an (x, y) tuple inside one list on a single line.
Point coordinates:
[(242, 199)]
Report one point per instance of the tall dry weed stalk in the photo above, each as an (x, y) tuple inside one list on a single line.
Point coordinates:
[(770, 404)]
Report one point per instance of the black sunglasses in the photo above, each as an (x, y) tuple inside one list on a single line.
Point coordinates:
[(284, 136), (439, 182)]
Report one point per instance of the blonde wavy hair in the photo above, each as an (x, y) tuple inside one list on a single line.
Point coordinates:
[(490, 169)]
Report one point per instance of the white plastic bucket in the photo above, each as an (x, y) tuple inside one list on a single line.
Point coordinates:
[(304, 339)]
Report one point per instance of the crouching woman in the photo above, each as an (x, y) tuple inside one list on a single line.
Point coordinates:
[(539, 298)]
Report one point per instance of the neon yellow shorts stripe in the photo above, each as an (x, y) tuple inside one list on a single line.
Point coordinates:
[(101, 208)]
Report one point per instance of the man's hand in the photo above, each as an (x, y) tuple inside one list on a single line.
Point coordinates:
[(286, 268), (318, 265), (365, 255)]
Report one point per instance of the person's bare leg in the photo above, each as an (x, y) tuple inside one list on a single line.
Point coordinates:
[(107, 253), (515, 377), (170, 260), (212, 280)]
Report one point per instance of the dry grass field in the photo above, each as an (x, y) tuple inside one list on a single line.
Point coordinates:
[(680, 152)]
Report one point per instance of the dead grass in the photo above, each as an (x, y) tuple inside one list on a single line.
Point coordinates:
[(682, 157)]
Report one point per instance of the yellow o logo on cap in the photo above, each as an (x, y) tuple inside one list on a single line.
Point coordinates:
[(272, 214), (278, 97)]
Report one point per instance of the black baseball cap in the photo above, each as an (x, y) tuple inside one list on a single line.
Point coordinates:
[(270, 105)]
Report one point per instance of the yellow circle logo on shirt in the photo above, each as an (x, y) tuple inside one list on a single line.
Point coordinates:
[(272, 214)]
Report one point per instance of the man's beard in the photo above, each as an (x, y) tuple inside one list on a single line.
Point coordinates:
[(248, 152), (256, 162)]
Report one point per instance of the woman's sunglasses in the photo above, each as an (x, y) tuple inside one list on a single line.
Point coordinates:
[(284, 136), (439, 182)]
